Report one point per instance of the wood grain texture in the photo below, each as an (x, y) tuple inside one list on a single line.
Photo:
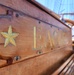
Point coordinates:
[(41, 65), (65, 66), (32, 53)]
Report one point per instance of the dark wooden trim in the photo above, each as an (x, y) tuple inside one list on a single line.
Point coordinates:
[(24, 14)]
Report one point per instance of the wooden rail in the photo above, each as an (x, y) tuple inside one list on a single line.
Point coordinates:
[(66, 68)]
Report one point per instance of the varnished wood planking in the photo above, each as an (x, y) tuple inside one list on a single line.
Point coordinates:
[(41, 65), (24, 25), (25, 8), (25, 40)]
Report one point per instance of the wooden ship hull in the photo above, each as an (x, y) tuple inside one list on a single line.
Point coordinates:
[(33, 41)]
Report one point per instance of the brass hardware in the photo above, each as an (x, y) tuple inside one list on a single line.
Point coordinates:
[(49, 39), (34, 37), (35, 40)]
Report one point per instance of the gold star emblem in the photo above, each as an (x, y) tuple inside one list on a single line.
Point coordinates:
[(9, 37)]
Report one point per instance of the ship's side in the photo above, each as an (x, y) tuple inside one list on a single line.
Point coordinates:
[(40, 42)]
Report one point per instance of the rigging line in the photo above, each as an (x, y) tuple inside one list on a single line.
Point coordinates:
[(22, 13), (60, 7)]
